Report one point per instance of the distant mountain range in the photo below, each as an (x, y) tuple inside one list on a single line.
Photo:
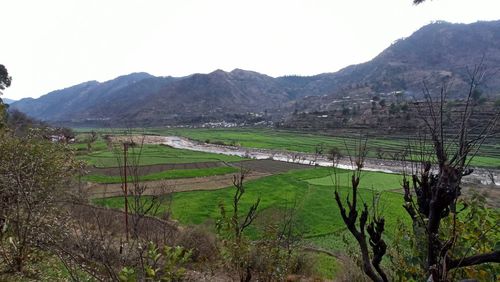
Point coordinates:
[(7, 100), (436, 52)]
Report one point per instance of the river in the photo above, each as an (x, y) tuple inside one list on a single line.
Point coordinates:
[(480, 175)]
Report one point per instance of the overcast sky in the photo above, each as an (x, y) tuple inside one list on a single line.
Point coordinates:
[(48, 45)]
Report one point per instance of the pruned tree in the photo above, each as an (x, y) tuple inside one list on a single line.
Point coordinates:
[(431, 190), (436, 182), (367, 231)]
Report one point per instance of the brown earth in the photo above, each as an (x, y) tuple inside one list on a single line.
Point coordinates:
[(269, 166), (172, 185), (257, 169), (147, 169)]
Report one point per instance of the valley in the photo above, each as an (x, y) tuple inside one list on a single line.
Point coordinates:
[(385, 170), (279, 170)]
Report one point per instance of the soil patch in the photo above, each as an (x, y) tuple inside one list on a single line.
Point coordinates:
[(147, 169), (269, 166), (172, 185)]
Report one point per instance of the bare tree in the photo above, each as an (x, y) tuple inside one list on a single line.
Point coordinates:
[(437, 187), (145, 199), (91, 138), (432, 189), (232, 227), (367, 234)]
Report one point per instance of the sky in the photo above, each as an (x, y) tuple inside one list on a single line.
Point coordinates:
[(53, 44)]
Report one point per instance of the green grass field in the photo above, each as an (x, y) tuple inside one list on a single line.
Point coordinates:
[(168, 174), (265, 138), (317, 213), (377, 181), (150, 155)]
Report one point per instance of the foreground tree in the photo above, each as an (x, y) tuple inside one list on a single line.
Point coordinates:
[(431, 191), (436, 183), (5, 81), (231, 227), (368, 237), (34, 174)]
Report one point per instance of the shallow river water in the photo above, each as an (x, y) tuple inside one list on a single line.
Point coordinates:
[(478, 176)]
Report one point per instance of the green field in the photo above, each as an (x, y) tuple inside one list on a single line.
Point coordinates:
[(150, 155), (168, 174), (265, 138), (488, 155), (317, 213), (377, 181)]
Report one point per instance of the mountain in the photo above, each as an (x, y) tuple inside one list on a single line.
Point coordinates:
[(143, 98), (216, 94), (437, 52), (91, 100), (7, 100)]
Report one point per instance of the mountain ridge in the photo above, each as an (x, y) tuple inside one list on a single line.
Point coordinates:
[(436, 52)]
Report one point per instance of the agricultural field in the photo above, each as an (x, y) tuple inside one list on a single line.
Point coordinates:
[(202, 182), (307, 190), (378, 146), (150, 155)]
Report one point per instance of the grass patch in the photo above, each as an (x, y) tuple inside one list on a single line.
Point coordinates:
[(317, 212), (326, 267), (265, 138), (369, 180), (150, 155), (168, 174)]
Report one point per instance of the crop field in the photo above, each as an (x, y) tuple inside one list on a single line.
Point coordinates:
[(488, 156), (317, 213), (168, 174), (100, 156), (203, 182), (264, 138)]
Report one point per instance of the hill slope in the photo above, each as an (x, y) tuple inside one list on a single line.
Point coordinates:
[(7, 100), (436, 52)]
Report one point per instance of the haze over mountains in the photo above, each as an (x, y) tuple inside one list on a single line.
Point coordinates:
[(436, 52), (8, 101)]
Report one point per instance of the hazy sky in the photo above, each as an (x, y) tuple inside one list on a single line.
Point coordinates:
[(48, 45)]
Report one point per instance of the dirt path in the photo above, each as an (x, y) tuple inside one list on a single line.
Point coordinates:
[(172, 185)]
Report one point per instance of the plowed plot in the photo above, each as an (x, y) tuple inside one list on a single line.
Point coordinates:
[(269, 166), (173, 185), (147, 169)]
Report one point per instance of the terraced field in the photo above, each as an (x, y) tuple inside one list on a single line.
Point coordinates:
[(377, 146), (200, 182), (102, 157), (317, 212)]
